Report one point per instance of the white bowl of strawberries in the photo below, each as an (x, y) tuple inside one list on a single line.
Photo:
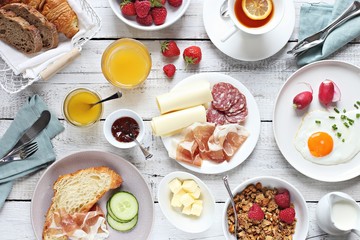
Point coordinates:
[(267, 205), (149, 15)]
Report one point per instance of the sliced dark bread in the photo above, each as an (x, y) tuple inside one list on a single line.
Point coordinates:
[(19, 33), (47, 30)]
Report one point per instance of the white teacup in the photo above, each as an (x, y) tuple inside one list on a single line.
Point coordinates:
[(277, 15)]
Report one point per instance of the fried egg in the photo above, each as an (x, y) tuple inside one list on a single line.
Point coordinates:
[(329, 138)]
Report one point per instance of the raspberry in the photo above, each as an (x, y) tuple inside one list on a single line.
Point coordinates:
[(287, 215), (159, 15), (175, 3), (169, 70), (142, 8), (283, 199), (256, 213), (146, 21)]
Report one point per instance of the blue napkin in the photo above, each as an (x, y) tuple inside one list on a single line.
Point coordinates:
[(314, 17), (44, 156)]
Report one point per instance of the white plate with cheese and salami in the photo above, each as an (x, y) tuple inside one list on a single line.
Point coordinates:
[(210, 123)]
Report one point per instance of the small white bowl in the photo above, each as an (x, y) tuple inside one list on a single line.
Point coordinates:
[(301, 211), (116, 115), (173, 14), (190, 224)]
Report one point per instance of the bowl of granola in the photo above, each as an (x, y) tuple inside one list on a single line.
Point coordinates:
[(268, 208)]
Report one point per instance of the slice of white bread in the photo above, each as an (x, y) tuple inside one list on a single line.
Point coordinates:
[(78, 192), (47, 30), (19, 33)]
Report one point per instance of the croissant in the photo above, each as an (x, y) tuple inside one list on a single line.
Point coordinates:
[(57, 12)]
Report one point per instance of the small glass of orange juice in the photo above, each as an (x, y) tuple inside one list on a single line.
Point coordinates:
[(126, 63), (78, 109)]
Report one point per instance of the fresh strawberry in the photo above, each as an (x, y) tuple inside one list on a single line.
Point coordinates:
[(287, 215), (142, 8), (159, 15), (169, 70), (146, 21), (282, 199), (175, 3), (192, 55), (256, 213), (170, 49), (127, 8)]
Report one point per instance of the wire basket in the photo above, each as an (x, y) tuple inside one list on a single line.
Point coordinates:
[(12, 83)]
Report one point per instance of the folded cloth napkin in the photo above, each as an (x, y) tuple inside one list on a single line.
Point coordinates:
[(31, 65), (44, 156), (314, 17)]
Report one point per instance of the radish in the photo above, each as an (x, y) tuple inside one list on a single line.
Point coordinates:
[(329, 92), (303, 99)]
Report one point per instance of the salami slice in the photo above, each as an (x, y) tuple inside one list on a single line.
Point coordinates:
[(223, 95), (215, 116), (238, 107), (239, 118)]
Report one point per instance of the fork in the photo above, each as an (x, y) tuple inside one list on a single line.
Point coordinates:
[(318, 38), (21, 153)]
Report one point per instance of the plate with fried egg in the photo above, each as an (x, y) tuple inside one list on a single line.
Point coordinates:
[(321, 141)]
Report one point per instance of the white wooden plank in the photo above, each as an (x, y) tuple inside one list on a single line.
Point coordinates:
[(15, 216)]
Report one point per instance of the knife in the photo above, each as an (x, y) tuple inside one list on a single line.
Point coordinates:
[(34, 130)]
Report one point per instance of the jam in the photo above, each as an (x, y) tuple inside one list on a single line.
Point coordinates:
[(124, 126)]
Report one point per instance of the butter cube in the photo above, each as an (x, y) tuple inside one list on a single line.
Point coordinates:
[(186, 199), (187, 210), (189, 186), (197, 207), (175, 201), (175, 185), (196, 193)]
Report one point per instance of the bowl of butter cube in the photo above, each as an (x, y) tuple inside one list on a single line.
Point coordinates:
[(186, 202)]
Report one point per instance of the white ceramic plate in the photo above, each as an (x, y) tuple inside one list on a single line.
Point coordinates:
[(191, 224), (252, 124), (287, 120), (243, 46), (132, 182), (301, 211), (173, 14)]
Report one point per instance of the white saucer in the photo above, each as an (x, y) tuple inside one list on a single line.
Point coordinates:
[(243, 46)]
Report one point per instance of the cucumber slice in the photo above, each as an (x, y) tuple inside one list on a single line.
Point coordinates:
[(112, 214), (122, 227), (124, 206)]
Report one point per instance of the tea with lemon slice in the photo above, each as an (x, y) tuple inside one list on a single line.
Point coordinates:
[(78, 109), (126, 63), (254, 13)]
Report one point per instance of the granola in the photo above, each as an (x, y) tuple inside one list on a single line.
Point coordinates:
[(270, 227)]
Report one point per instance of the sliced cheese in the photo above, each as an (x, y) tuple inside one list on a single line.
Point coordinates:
[(172, 123), (197, 93)]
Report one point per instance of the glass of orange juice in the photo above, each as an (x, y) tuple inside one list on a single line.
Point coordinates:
[(126, 63), (78, 109)]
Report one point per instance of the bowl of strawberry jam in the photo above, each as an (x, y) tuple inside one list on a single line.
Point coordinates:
[(122, 127)]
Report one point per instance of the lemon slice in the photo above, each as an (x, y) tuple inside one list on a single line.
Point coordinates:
[(257, 9)]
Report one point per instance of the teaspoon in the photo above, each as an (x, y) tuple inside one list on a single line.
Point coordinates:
[(224, 11), (146, 153), (226, 183), (116, 95)]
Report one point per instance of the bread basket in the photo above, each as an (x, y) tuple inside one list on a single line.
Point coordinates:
[(13, 83)]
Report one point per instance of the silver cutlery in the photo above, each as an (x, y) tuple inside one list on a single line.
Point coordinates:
[(146, 153), (224, 11), (116, 95), (318, 38), (226, 183), (21, 153)]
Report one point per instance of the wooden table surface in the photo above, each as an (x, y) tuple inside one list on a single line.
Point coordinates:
[(263, 78)]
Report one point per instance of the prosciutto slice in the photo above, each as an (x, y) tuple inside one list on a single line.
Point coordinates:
[(207, 141), (80, 226)]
